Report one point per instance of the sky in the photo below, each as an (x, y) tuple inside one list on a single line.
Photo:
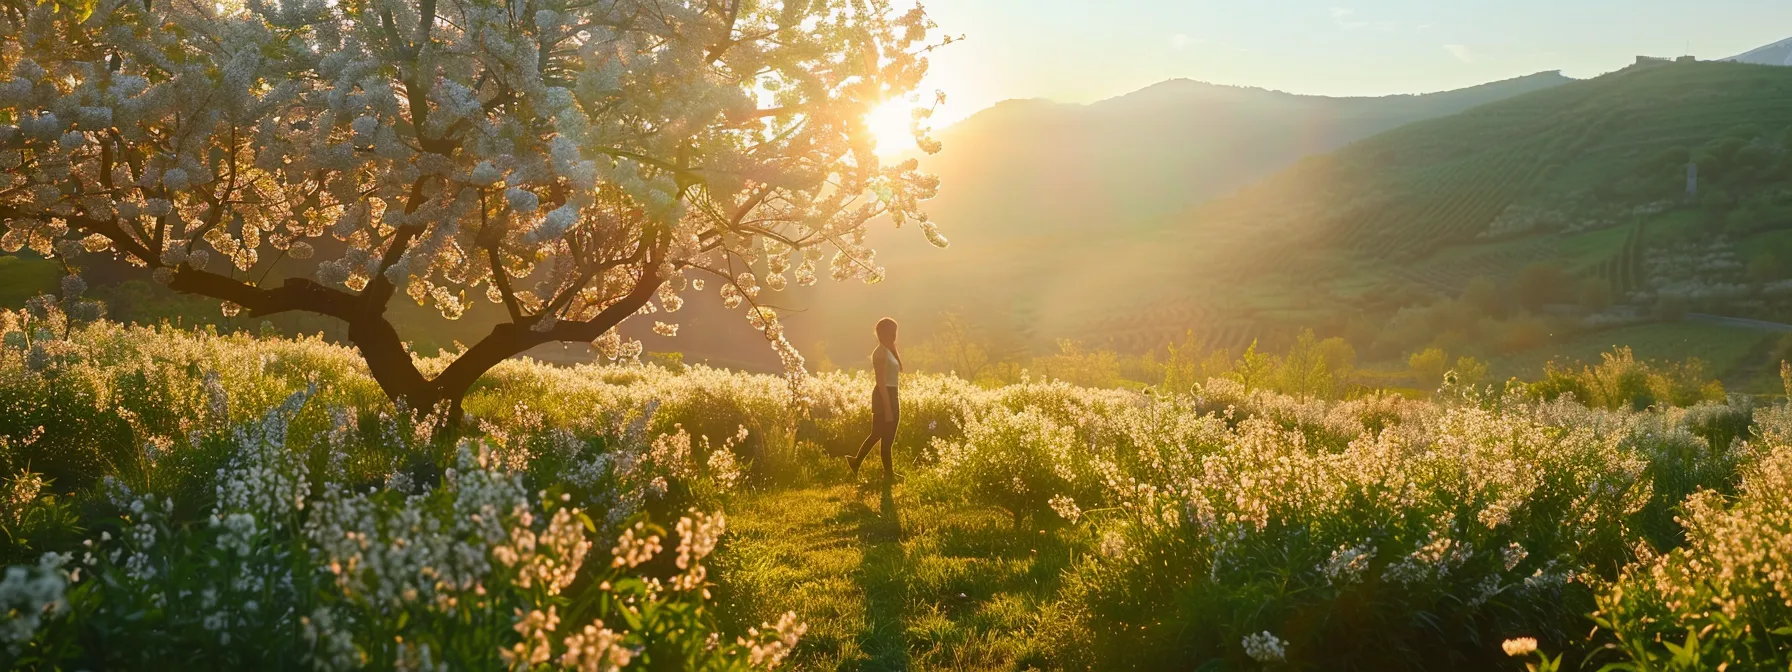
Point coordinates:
[(1086, 50)]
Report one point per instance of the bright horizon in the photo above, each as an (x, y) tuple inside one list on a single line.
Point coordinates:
[(1079, 52)]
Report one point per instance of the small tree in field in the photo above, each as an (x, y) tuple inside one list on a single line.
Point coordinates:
[(576, 161)]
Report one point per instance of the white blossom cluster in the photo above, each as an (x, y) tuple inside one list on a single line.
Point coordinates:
[(28, 595), (1347, 564), (389, 557), (558, 162), (638, 474), (437, 556), (1264, 647), (768, 645), (1737, 564), (1704, 271)]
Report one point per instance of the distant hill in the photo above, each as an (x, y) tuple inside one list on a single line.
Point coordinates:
[(1778, 53), (1589, 178), (1032, 166), (1030, 187)]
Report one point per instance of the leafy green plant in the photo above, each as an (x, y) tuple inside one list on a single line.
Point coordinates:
[(1023, 463)]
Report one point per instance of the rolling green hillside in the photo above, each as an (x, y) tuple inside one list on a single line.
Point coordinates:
[(1032, 167), (1035, 196), (1579, 191), (1583, 156)]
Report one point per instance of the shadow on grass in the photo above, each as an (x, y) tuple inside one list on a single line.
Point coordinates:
[(884, 575)]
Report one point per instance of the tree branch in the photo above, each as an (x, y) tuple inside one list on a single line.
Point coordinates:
[(387, 359), (295, 294), (511, 338)]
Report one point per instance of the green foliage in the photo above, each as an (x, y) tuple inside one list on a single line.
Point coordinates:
[(1076, 365), (1621, 381), (1722, 601), (23, 277), (954, 350), (1183, 371), (1022, 463), (1428, 368), (1595, 294), (1541, 284), (1253, 369), (1315, 368), (1251, 521)]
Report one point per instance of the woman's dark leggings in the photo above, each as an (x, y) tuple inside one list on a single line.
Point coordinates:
[(883, 428)]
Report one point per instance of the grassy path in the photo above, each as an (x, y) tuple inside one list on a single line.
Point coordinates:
[(887, 582)]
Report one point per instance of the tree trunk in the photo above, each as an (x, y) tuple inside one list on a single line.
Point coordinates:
[(388, 360)]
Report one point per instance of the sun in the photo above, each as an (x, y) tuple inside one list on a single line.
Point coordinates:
[(889, 124)]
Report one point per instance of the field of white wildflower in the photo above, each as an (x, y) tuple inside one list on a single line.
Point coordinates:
[(174, 497)]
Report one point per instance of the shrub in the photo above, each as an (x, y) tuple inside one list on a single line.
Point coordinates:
[(478, 573), (1428, 368), (1422, 542), (1023, 463), (1723, 600), (1620, 380)]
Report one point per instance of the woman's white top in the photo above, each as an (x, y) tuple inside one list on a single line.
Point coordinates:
[(884, 363)]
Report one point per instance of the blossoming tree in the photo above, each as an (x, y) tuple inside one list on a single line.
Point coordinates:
[(576, 161)]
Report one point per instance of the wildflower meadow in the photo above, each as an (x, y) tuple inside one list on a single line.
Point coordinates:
[(250, 501)]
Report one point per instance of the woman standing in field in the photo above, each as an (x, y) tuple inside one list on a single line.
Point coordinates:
[(886, 409)]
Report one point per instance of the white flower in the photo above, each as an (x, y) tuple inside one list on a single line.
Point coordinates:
[(1113, 545), (1066, 508), (1522, 646), (175, 179), (1347, 564), (1513, 554), (1264, 647), (522, 200), (556, 223), (486, 173), (364, 126), (29, 595)]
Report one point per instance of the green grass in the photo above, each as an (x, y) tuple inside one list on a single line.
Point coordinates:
[(24, 277), (1723, 349), (887, 581), (1582, 252), (1777, 243), (1673, 227)]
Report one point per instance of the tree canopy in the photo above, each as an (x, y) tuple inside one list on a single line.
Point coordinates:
[(576, 161)]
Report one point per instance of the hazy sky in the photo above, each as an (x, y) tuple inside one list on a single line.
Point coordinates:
[(1086, 50)]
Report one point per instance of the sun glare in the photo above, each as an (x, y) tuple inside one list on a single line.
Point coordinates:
[(890, 126)]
